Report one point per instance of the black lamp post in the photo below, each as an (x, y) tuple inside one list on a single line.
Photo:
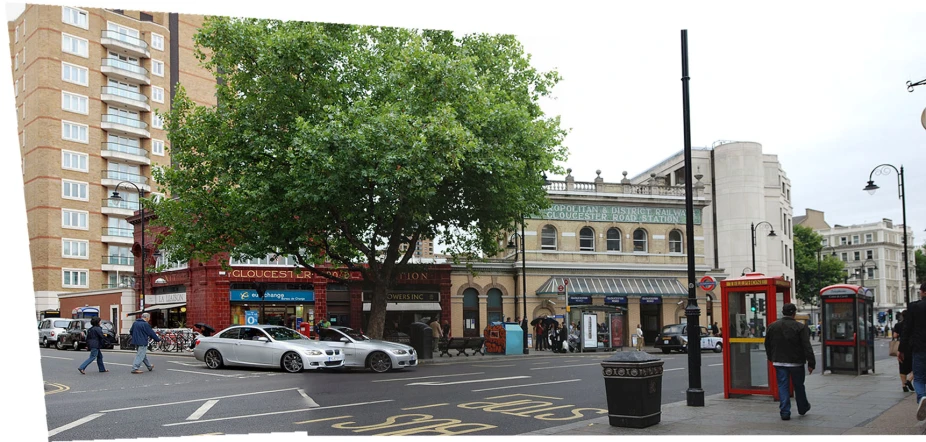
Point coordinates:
[(885, 169), (511, 245), (743, 273), (771, 234), (861, 271), (141, 194)]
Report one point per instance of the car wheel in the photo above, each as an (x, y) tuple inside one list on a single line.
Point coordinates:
[(380, 362), (213, 359), (665, 350), (59, 345), (45, 343), (291, 362), (718, 348)]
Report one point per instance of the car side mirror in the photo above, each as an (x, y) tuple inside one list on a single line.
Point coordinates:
[(345, 340), (262, 339)]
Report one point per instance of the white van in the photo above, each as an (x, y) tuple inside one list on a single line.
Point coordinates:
[(50, 329)]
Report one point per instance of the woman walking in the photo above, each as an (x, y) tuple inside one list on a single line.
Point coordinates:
[(95, 344), (906, 367)]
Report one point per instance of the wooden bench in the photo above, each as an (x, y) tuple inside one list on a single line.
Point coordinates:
[(476, 345), (445, 345)]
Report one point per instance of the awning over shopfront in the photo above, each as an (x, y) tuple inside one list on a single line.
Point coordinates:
[(408, 306), (157, 307), (613, 286)]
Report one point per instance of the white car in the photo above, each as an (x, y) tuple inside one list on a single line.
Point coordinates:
[(50, 329), (265, 346), (362, 352)]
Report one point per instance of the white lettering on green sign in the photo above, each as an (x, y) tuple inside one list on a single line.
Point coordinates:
[(621, 214)]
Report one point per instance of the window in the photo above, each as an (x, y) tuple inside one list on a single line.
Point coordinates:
[(16, 35), (868, 237), (74, 16), (871, 272), (16, 62), (157, 68), (16, 88), (857, 256), (74, 161), (74, 248), (157, 147), (156, 121), (74, 278), (845, 257), (74, 74), (494, 306), (614, 240), (74, 45), (587, 239), (548, 238), (675, 241), (869, 254), (74, 103), (74, 132), (157, 41), (74, 190), (74, 219), (824, 242), (157, 94), (842, 240), (639, 240), (855, 239)]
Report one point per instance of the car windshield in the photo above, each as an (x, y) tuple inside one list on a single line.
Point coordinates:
[(354, 334), (669, 329), (61, 324), (283, 334)]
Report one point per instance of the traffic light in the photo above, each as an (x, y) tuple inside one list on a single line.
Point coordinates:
[(752, 305), (761, 305), (890, 314)]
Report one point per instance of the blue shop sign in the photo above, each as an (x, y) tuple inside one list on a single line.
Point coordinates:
[(651, 300), (250, 295), (615, 300), (580, 300)]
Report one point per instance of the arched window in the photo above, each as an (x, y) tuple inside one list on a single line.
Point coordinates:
[(548, 238), (494, 306), (470, 313), (587, 239), (675, 241), (614, 240), (639, 240)]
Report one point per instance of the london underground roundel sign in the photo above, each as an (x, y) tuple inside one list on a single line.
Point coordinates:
[(708, 283)]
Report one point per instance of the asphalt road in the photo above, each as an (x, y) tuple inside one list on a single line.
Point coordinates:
[(473, 396)]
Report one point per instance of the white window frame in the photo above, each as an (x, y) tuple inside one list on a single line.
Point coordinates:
[(645, 241), (543, 237), (609, 242), (157, 147), (868, 238), (157, 94), (159, 39), (69, 157), (156, 121), (16, 88), (75, 69), (82, 275), (855, 239), (679, 243), (67, 13), (16, 35), (68, 245), (86, 132), (587, 238), (68, 49), (16, 61), (157, 67), (82, 189), (82, 101), (68, 214)]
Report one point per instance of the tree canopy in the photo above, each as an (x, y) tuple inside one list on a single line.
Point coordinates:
[(813, 267), (343, 143)]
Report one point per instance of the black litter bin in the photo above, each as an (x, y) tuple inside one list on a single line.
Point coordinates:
[(633, 385), (419, 335)]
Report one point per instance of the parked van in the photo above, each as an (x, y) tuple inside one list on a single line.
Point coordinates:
[(50, 329)]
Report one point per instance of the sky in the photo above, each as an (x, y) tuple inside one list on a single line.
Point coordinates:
[(820, 84)]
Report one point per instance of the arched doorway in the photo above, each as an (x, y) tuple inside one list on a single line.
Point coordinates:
[(470, 313)]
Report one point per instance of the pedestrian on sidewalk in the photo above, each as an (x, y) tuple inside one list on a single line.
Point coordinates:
[(913, 337), (436, 333), (95, 344), (906, 366), (140, 332), (787, 346), (639, 333)]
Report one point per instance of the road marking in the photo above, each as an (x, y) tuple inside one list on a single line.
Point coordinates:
[(526, 385), (540, 363), (76, 423), (188, 364), (425, 406), (207, 374), (277, 412), (309, 401), (61, 388), (715, 365), (469, 381), (323, 419), (197, 400), (494, 366), (58, 357), (525, 395), (673, 369), (119, 364), (429, 377), (202, 410), (565, 366)]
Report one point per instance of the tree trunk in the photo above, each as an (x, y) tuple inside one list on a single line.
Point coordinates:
[(377, 311)]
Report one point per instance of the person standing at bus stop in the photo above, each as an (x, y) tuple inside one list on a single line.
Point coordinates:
[(787, 346)]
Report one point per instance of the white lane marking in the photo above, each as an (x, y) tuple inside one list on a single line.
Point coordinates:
[(208, 374), (527, 385), (118, 363), (469, 381), (202, 410), (673, 369), (76, 423), (198, 400), (425, 406), (565, 366), (428, 377), (277, 412), (715, 365), (539, 363), (494, 366), (58, 357), (309, 401), (188, 364)]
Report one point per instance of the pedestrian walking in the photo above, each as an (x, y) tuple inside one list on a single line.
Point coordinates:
[(436, 333), (639, 333), (95, 344), (140, 332), (445, 329), (906, 366), (913, 338), (715, 330), (787, 347), (538, 331)]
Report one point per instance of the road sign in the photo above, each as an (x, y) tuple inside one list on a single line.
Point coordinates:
[(565, 281), (250, 317), (708, 283), (561, 289)]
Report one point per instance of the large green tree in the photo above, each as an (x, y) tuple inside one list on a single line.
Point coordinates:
[(814, 267), (343, 143), (920, 255)]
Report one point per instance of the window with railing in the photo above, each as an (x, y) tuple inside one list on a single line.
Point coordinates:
[(124, 65), (124, 148), (124, 176), (125, 119), (124, 93), (118, 231), (124, 34), (119, 260)]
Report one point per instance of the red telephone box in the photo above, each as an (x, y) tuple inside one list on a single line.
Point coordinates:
[(848, 321), (749, 305)]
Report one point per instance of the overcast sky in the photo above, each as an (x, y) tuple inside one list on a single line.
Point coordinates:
[(821, 84)]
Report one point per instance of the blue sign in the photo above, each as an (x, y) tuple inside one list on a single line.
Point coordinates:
[(651, 300), (580, 300), (250, 317), (615, 300), (250, 295)]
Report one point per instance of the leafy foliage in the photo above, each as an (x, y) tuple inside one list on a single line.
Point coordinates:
[(920, 256), (814, 268), (341, 143)]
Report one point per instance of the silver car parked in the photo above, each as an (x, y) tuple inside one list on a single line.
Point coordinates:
[(50, 329), (265, 346), (362, 352)]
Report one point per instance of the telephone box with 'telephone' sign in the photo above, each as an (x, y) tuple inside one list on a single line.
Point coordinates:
[(750, 304), (848, 318)]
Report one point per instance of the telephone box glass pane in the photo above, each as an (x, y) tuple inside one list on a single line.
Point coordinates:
[(748, 366), (839, 324)]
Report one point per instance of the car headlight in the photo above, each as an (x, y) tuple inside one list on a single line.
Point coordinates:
[(399, 351), (314, 352)]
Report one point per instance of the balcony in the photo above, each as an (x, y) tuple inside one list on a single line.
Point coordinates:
[(112, 178), (126, 98), (124, 153), (117, 235), (125, 44), (125, 71), (124, 126), (119, 208), (118, 264)]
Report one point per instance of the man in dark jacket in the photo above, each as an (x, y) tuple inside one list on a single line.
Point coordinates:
[(787, 346), (913, 337), (140, 332), (95, 344)]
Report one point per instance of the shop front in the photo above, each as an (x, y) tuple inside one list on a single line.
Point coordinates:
[(405, 307), (286, 304)]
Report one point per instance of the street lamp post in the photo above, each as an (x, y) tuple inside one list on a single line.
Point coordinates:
[(141, 194), (511, 245), (753, 227), (885, 169)]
